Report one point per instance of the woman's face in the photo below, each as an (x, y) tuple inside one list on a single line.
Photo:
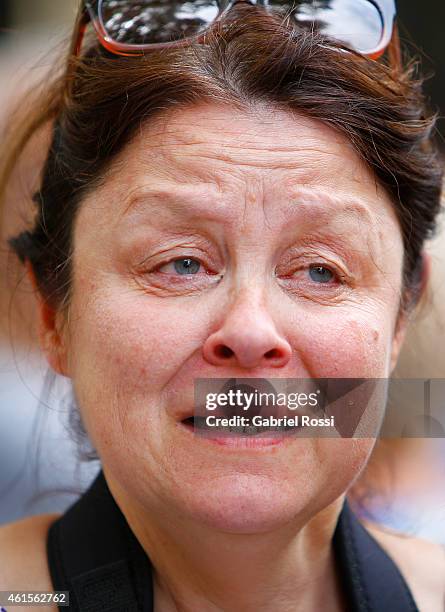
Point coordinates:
[(293, 261)]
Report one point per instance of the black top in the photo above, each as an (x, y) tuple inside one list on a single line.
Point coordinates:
[(93, 554)]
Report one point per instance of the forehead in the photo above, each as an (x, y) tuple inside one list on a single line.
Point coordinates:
[(264, 154), (220, 139)]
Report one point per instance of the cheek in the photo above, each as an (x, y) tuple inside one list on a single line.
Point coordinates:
[(345, 343), (129, 341), (124, 349)]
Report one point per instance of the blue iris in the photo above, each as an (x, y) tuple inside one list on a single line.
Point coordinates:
[(319, 274), (186, 266)]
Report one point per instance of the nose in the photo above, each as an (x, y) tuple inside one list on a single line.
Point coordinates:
[(248, 338)]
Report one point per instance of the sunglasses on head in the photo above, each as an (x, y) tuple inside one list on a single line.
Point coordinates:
[(132, 27)]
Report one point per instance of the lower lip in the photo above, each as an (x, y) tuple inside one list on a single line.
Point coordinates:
[(248, 441)]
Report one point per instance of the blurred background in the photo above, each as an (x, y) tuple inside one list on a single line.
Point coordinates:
[(40, 467)]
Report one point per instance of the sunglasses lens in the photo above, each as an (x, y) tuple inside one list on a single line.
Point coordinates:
[(152, 21), (357, 23)]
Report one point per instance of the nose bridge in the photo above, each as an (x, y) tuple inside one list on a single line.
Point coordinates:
[(232, 3), (249, 300)]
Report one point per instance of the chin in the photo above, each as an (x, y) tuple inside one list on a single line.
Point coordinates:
[(245, 504)]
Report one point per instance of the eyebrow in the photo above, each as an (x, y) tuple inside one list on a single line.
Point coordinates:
[(193, 202), (179, 201)]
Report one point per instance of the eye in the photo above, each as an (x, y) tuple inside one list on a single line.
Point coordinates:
[(183, 266), (320, 274)]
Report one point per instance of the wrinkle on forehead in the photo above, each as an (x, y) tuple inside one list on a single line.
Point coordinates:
[(236, 156), (229, 139)]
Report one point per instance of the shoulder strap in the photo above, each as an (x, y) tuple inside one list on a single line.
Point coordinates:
[(93, 554), (371, 578)]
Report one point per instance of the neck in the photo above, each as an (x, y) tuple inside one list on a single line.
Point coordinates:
[(199, 568)]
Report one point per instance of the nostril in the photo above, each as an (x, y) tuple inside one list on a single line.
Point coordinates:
[(223, 351), (272, 354)]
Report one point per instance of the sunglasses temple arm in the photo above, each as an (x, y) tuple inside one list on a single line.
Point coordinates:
[(75, 47), (394, 50), (79, 32)]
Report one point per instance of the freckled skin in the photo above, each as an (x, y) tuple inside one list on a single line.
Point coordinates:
[(274, 194)]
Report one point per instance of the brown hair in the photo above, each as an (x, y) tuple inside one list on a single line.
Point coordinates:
[(98, 103)]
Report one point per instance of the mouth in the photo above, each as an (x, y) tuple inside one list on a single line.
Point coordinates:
[(245, 419)]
